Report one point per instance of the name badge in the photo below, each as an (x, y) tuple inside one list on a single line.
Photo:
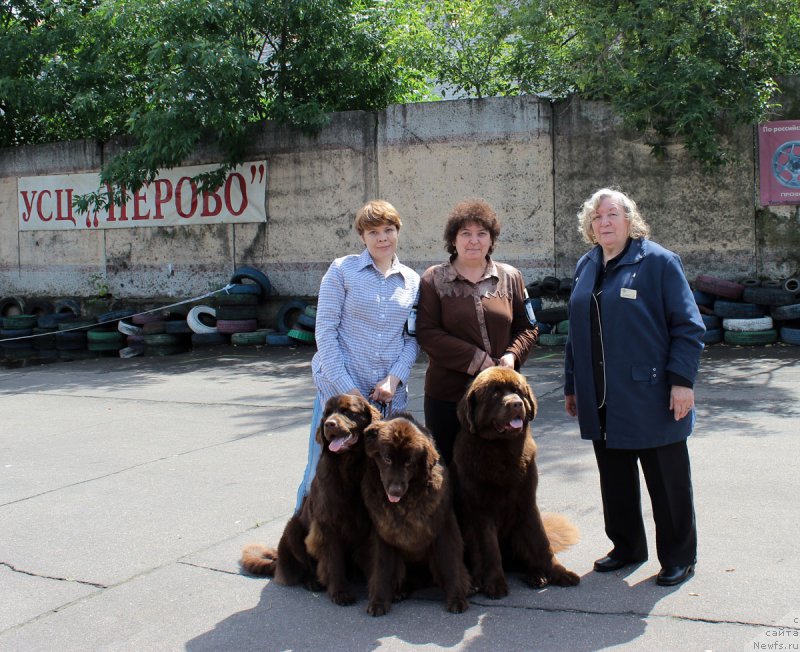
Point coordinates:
[(627, 293)]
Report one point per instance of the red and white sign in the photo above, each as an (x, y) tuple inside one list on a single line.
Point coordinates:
[(45, 203), (779, 162)]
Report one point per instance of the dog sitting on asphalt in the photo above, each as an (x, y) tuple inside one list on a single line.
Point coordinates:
[(332, 528)]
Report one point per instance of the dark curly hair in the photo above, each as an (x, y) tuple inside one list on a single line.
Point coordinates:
[(471, 211)]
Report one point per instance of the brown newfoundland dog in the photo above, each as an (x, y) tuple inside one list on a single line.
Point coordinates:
[(494, 468), (332, 527), (409, 499)]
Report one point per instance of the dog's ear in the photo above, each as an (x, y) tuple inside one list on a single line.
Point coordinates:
[(466, 409), (528, 397), (371, 433), (431, 455), (373, 414)]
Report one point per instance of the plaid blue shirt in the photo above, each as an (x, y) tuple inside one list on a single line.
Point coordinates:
[(360, 333)]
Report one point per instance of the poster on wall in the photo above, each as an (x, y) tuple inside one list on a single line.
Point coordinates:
[(172, 199), (779, 162)]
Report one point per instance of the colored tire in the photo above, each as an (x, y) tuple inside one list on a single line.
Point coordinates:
[(105, 337), (711, 321), (254, 338), (751, 338), (790, 335), (67, 305), (39, 307), (208, 339), (768, 296), (231, 326), (562, 327), (238, 299), (10, 306), (790, 285), (307, 337), (308, 322), (177, 327), (194, 319), (742, 325), (232, 313), (737, 309), (278, 339), (552, 315), (20, 321), (142, 318), (550, 285), (288, 313), (552, 339), (786, 313), (712, 336), (703, 298), (534, 289), (718, 286), (115, 315), (252, 274)]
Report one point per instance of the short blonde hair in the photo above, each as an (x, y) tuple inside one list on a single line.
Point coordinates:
[(376, 213), (637, 227)]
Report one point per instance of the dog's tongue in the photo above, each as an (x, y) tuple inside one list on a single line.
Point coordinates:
[(393, 499), (515, 424), (337, 444)]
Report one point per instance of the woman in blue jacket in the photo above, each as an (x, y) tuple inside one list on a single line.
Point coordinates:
[(632, 357)]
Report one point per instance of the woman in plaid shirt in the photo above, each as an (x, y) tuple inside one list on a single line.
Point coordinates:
[(364, 303)]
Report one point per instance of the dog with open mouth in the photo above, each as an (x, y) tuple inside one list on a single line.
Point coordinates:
[(409, 500), (330, 532), (494, 469)]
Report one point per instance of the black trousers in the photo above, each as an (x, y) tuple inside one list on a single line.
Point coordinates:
[(667, 474), (441, 419)]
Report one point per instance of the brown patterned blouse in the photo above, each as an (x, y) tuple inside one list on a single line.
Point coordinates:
[(459, 323)]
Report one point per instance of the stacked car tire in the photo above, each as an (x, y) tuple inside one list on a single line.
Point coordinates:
[(749, 311)]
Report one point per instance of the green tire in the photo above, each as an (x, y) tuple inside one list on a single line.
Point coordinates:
[(750, 338), (304, 336), (552, 339)]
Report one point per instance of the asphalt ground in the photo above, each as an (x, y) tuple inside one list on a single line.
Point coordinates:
[(128, 487)]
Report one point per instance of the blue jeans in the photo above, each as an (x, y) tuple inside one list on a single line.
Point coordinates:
[(314, 451)]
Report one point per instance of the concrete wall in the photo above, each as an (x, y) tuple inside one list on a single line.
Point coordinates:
[(534, 161)]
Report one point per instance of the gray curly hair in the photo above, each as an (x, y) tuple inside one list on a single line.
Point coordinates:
[(637, 227)]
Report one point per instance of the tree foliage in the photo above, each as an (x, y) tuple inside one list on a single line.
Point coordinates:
[(164, 75), (168, 74)]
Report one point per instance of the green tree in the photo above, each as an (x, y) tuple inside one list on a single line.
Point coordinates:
[(166, 74), (686, 69)]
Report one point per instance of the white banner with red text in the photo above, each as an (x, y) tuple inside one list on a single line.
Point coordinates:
[(172, 199)]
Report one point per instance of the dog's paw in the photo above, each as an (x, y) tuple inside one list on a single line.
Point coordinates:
[(377, 608), (496, 588), (560, 576), (313, 584), (457, 605), (535, 580), (342, 598)]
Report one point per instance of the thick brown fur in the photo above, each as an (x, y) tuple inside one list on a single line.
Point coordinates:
[(409, 499), (494, 469), (332, 526)]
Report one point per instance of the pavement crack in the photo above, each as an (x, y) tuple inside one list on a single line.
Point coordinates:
[(14, 569), (210, 568), (629, 613)]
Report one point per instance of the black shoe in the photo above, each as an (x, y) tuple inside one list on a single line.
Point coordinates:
[(674, 575), (608, 563)]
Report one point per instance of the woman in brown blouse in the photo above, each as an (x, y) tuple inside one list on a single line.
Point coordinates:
[(470, 316)]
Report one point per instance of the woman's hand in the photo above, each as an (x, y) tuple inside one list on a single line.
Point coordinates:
[(384, 389), (507, 361), (681, 401), (571, 405)]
